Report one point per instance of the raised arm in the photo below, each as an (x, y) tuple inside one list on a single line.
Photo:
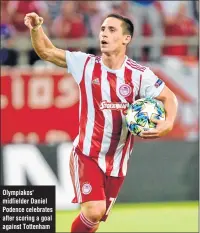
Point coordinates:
[(41, 43)]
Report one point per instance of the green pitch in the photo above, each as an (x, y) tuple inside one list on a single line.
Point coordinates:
[(155, 217)]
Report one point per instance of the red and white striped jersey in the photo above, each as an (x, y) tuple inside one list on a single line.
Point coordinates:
[(104, 94)]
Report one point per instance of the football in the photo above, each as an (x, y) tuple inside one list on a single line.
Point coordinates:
[(139, 115)]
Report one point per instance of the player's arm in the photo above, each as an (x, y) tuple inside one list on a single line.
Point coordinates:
[(152, 86), (41, 43), (170, 104)]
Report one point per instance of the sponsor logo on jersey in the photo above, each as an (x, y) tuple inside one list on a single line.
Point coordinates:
[(113, 105), (86, 188), (97, 59), (158, 83), (124, 90)]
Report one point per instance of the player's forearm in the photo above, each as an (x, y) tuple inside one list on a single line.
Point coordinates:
[(41, 43), (171, 106)]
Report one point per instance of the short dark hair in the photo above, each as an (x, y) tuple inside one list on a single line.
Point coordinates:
[(127, 23)]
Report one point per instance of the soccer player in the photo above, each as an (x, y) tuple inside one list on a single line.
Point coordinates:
[(107, 84)]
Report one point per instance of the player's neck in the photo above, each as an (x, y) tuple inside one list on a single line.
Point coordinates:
[(113, 61)]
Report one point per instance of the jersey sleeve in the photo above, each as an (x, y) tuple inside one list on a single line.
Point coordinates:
[(151, 85), (75, 64)]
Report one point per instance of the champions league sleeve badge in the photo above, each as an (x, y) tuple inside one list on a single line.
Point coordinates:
[(158, 83)]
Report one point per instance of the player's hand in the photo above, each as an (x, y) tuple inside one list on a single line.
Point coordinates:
[(32, 20), (163, 127)]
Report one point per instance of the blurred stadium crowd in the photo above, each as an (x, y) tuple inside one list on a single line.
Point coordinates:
[(82, 19)]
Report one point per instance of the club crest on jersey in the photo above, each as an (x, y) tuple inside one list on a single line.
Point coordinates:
[(124, 90), (86, 188)]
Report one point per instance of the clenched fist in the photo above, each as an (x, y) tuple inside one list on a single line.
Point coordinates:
[(33, 21)]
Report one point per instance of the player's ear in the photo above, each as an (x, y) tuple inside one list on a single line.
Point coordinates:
[(127, 39)]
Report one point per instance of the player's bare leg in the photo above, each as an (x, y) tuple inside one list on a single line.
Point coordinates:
[(90, 216)]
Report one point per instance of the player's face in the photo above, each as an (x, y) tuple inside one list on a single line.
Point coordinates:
[(111, 36)]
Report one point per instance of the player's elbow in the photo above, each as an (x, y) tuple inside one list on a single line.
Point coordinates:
[(168, 95), (44, 55), (171, 96), (175, 99), (171, 100)]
